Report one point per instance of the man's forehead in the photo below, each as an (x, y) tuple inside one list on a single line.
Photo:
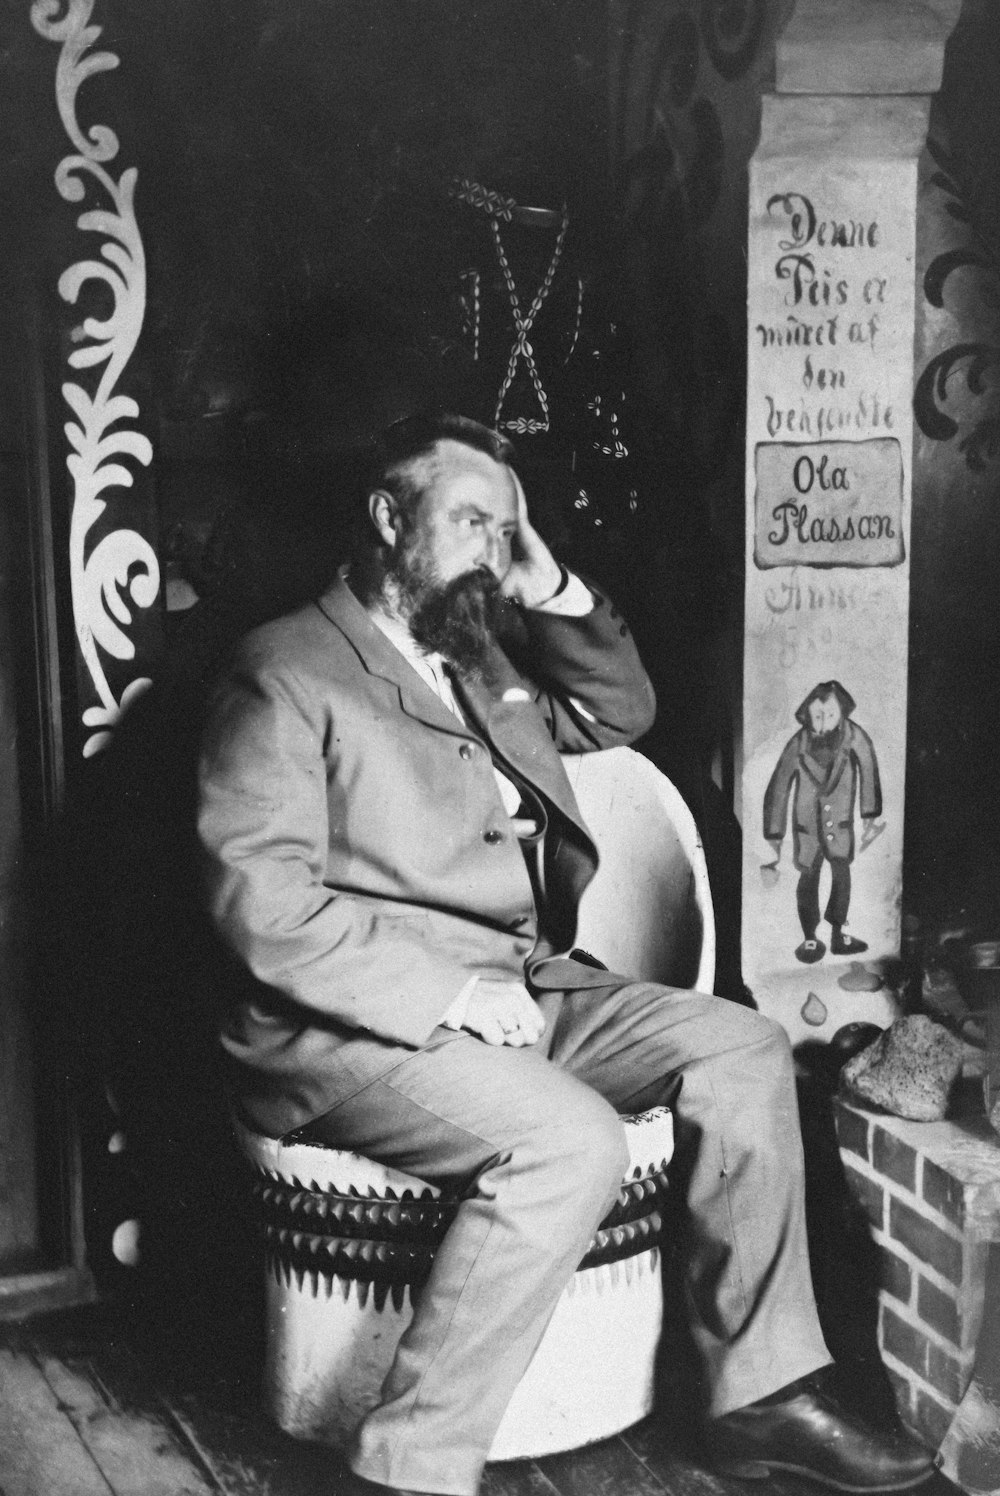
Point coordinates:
[(456, 474)]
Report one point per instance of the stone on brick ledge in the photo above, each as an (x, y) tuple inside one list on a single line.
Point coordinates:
[(908, 1071)]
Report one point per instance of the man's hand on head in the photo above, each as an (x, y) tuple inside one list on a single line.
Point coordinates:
[(535, 575), (503, 1013)]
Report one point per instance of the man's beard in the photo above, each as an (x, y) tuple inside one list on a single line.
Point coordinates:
[(829, 739), (457, 620)]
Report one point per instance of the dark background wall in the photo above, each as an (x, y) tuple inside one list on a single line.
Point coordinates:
[(310, 276), (953, 799), (305, 269)]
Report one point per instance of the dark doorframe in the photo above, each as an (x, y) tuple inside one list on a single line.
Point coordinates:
[(42, 1250)]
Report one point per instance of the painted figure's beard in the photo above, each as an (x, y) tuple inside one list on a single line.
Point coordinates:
[(456, 619), (828, 739)]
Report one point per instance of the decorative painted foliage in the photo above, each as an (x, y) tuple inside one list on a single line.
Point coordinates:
[(121, 569), (972, 361)]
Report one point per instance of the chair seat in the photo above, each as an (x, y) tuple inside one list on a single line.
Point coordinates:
[(348, 1239)]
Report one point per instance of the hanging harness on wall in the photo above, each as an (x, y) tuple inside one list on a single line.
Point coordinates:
[(500, 208), (556, 361)]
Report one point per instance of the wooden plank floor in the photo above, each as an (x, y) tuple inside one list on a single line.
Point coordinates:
[(93, 1404)]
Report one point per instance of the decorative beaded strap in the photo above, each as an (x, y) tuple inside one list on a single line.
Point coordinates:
[(477, 196), (470, 297), (522, 326)]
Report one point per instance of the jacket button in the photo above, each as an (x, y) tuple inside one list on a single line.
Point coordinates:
[(466, 750), (492, 836)]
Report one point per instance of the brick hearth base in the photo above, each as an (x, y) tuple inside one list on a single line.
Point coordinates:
[(931, 1191)]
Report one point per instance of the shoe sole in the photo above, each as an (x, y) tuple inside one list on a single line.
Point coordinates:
[(761, 1470)]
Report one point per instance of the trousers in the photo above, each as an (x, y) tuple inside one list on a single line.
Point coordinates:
[(807, 894), (533, 1141)]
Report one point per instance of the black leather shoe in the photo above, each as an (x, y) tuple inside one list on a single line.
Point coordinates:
[(846, 945), (810, 951), (809, 1434)]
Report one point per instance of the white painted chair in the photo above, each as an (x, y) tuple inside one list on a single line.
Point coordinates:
[(345, 1236), (648, 912)]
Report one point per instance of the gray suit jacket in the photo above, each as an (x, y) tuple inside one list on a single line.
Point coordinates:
[(360, 862), (824, 796)]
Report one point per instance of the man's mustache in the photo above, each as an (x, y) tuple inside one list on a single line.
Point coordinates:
[(478, 588), (474, 596)]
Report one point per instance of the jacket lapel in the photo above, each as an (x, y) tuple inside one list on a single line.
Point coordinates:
[(515, 728), (382, 660)]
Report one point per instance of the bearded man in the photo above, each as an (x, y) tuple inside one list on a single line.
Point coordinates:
[(395, 855), (827, 768)]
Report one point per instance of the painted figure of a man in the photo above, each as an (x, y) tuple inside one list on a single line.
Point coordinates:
[(827, 770)]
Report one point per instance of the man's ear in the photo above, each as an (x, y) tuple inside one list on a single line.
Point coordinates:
[(384, 512)]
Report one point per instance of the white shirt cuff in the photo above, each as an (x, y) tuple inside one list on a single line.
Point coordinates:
[(575, 600), (454, 1018)]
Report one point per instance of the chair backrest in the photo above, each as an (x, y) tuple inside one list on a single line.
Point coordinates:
[(648, 911)]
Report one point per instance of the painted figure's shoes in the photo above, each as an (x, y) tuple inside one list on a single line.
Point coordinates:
[(810, 1435), (810, 951), (846, 945)]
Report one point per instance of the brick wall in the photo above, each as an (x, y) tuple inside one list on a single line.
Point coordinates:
[(931, 1192)]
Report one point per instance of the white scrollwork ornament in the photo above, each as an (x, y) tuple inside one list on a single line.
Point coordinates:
[(122, 565)]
